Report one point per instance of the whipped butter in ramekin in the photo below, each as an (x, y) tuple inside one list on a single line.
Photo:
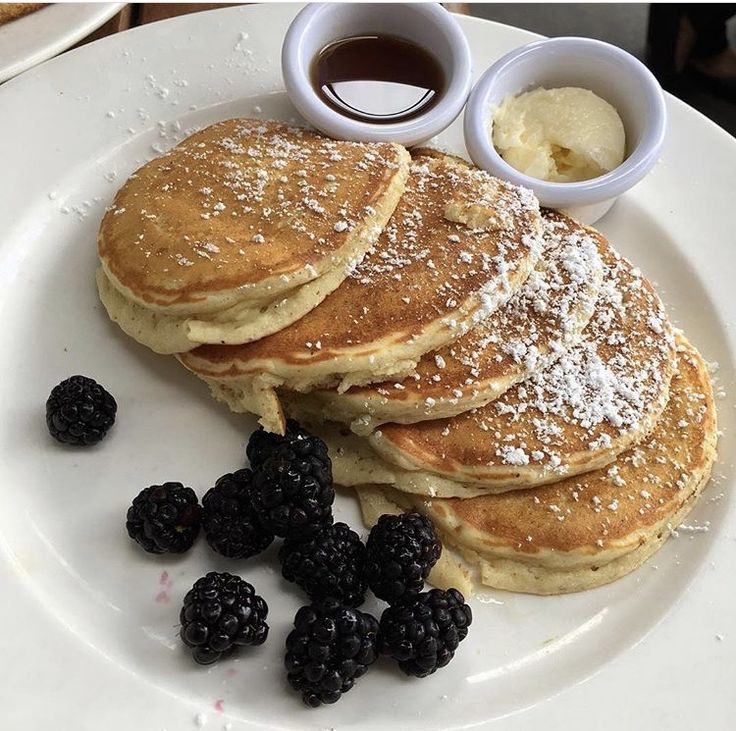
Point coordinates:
[(563, 135), (611, 74)]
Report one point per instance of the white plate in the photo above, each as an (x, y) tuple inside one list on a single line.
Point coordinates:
[(88, 629), (37, 37)]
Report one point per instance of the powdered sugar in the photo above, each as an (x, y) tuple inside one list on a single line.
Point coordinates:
[(414, 270), (596, 396), (603, 387), (532, 329)]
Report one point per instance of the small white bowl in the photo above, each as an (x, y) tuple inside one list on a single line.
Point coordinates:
[(428, 25), (608, 71)]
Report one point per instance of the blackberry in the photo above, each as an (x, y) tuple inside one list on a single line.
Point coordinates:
[(229, 521), (292, 493), (164, 518), (222, 612), (423, 631), (263, 444), (79, 411), (329, 564), (330, 647), (401, 551)]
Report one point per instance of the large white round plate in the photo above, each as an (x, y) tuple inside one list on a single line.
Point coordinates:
[(38, 36), (89, 622)]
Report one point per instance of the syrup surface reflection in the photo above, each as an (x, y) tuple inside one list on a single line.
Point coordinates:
[(378, 79)]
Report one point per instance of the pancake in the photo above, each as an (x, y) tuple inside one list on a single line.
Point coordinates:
[(545, 318), (589, 530), (592, 403), (459, 245), (240, 230)]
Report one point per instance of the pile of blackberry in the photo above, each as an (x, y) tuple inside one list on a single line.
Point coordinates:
[(288, 493)]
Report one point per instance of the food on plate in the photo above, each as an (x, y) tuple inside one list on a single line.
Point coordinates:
[(422, 632), (545, 318), (330, 647), (401, 551), (80, 412), (229, 520), (222, 613), (240, 230), (501, 387), (164, 518), (292, 490), (331, 563), (590, 529), (459, 245), (561, 135)]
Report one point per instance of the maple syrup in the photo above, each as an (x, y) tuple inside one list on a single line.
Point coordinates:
[(378, 78)]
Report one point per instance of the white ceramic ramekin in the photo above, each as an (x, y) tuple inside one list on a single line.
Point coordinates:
[(428, 25), (610, 72)]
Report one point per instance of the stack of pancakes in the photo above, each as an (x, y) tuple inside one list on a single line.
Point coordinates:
[(241, 230), (499, 368)]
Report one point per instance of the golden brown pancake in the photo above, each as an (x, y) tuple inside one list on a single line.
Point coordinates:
[(545, 318), (596, 400), (458, 246), (588, 530), (240, 230)]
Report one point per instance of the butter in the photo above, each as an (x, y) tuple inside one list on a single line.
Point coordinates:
[(561, 135)]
